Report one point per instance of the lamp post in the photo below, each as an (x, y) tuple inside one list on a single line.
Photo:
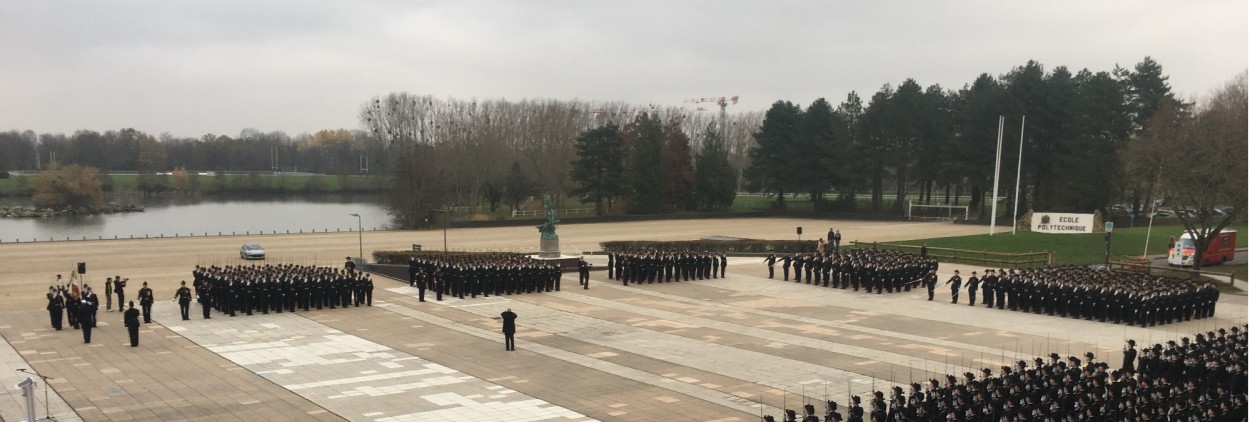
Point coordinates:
[(360, 235), (446, 221)]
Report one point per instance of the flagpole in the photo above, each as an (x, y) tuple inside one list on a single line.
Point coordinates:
[(998, 163), (1015, 210)]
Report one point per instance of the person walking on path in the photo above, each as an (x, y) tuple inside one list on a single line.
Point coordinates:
[(509, 329), (131, 319), (183, 296)]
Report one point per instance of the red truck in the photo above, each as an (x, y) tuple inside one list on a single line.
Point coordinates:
[(1220, 249)]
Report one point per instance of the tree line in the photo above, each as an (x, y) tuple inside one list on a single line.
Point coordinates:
[(333, 151), (939, 145), (1086, 135)]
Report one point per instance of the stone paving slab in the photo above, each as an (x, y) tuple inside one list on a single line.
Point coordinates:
[(356, 378), (13, 406), (721, 349), (165, 378)]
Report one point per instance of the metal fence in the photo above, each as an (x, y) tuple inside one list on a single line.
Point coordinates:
[(1144, 267), (177, 235), (541, 213)]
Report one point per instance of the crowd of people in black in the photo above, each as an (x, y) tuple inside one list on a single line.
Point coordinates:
[(235, 289), (481, 274), (1089, 293), (872, 269), (660, 266), (80, 306), (1202, 380)]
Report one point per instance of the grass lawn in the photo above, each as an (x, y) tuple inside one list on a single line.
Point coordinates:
[(1073, 248)]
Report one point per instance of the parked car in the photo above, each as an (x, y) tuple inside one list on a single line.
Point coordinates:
[(1165, 214), (251, 251)]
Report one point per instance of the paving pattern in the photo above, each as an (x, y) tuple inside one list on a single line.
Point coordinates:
[(359, 379), (719, 350)]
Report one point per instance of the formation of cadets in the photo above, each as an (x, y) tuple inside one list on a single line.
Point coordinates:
[(482, 274), (1204, 380), (233, 289), (1089, 293), (872, 269), (658, 266)]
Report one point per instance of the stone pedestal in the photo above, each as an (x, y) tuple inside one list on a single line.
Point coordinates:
[(548, 248)]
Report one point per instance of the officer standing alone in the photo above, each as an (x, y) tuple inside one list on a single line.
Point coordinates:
[(145, 300), (183, 296), (131, 318), (509, 329)]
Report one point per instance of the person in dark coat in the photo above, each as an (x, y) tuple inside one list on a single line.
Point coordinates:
[(1130, 358), (955, 281), (56, 305), (131, 319), (509, 329), (145, 301), (183, 296)]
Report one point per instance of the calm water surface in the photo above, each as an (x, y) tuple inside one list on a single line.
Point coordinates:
[(211, 215)]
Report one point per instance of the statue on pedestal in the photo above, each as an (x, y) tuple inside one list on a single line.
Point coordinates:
[(548, 241), (548, 229)]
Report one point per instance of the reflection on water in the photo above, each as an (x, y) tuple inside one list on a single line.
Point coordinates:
[(212, 215)]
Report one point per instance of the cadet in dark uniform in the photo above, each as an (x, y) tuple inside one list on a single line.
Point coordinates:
[(145, 301), (420, 279), (131, 319), (206, 301), (1130, 357), (56, 305), (119, 287), (183, 296), (930, 282), (973, 283), (955, 281), (583, 273), (84, 316), (509, 329), (771, 261)]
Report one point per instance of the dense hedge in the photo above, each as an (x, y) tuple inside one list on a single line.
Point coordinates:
[(727, 246), (401, 257)]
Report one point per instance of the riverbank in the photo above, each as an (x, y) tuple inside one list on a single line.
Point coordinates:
[(219, 183), (32, 212)]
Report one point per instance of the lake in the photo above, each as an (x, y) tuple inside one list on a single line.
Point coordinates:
[(205, 215)]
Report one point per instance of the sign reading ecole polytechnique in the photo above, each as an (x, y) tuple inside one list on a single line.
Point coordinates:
[(1051, 222)]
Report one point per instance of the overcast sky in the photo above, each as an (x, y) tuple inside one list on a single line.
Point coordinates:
[(196, 67)]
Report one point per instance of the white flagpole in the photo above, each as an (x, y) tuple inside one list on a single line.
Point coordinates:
[(1015, 210), (998, 162)]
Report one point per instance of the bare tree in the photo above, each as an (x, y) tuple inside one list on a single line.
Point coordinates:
[(1204, 171)]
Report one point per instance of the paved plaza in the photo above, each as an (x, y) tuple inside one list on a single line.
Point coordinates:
[(711, 350)]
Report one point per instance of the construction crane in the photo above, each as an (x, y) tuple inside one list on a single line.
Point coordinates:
[(723, 102)]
